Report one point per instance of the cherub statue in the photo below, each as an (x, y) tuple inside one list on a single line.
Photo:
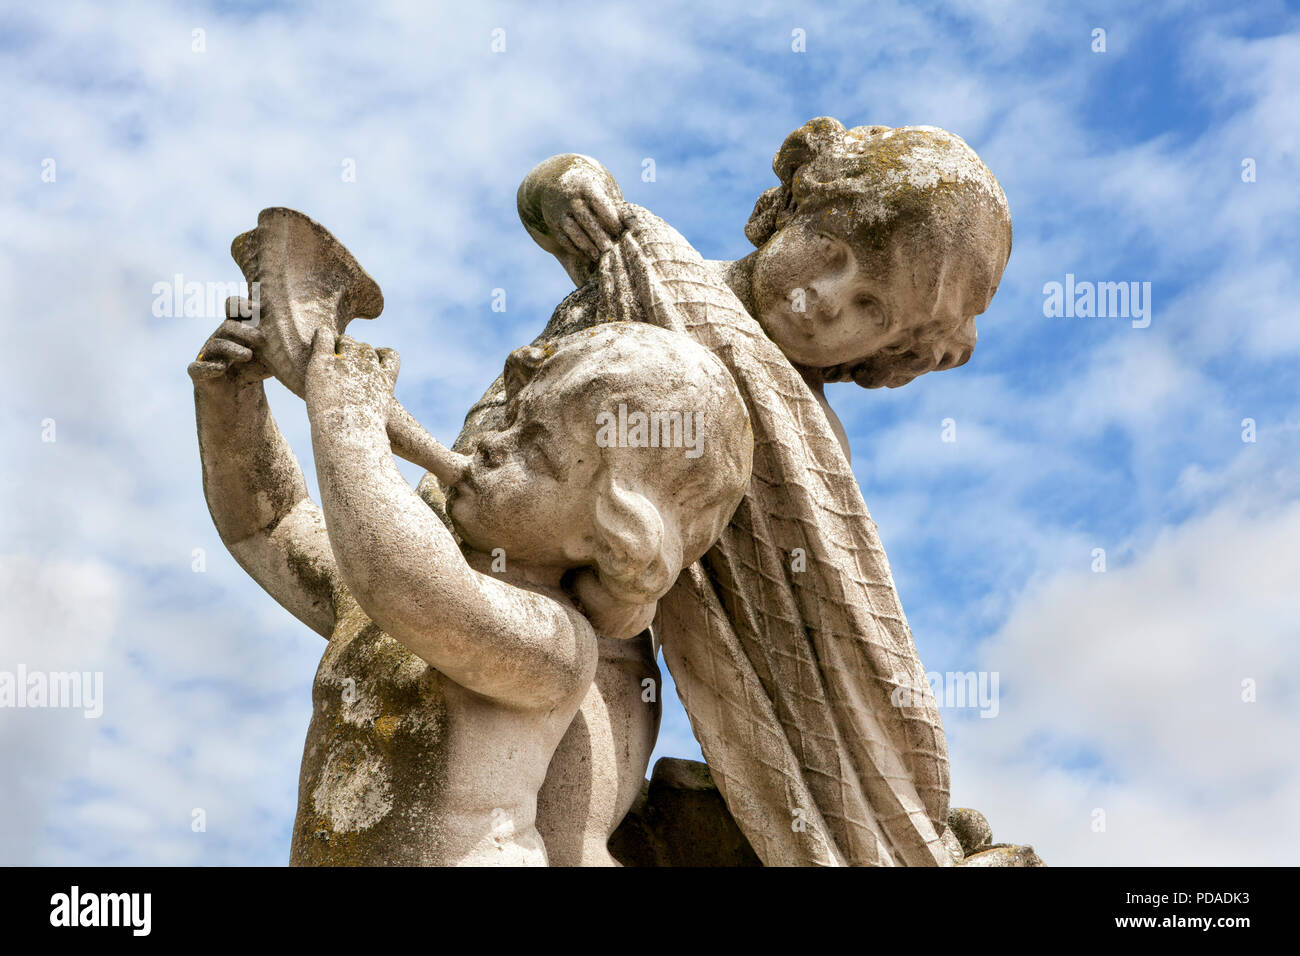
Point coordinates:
[(450, 676), (786, 641)]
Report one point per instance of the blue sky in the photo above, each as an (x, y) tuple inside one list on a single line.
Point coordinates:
[(1120, 691)]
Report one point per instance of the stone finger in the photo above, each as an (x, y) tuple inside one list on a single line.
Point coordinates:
[(227, 350), (579, 238), (595, 231)]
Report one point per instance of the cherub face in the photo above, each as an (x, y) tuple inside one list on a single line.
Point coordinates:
[(526, 489), (822, 307)]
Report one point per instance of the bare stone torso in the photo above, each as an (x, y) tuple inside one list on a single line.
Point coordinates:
[(374, 787)]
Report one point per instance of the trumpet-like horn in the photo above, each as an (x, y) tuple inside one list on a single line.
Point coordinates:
[(305, 279)]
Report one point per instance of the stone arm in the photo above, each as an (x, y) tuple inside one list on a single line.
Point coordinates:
[(402, 565), (255, 488), (570, 206)]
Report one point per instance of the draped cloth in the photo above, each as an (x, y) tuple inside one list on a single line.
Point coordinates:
[(787, 640)]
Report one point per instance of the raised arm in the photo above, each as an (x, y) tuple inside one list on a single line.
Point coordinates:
[(253, 484), (569, 205), (402, 564)]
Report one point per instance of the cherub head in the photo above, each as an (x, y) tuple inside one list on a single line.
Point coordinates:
[(624, 453), (877, 250)]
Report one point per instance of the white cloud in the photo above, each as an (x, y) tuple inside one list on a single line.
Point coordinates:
[(1123, 691), (57, 619)]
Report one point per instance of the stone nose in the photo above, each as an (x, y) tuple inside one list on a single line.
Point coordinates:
[(951, 355)]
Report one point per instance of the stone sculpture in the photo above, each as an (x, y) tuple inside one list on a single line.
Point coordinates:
[(507, 654), (772, 598)]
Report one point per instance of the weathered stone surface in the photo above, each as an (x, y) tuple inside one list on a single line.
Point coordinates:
[(952, 843), (455, 668), (971, 829), (874, 255), (680, 819), (598, 770), (896, 212), (1004, 854), (303, 279)]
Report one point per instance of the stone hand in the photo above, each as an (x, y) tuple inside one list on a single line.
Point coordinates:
[(571, 204), (343, 372), (582, 214), (230, 355)]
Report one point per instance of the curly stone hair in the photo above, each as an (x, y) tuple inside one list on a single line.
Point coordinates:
[(874, 186)]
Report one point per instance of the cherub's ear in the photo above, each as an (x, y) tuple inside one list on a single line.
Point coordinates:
[(637, 556)]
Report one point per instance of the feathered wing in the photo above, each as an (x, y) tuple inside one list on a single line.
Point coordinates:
[(803, 686)]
